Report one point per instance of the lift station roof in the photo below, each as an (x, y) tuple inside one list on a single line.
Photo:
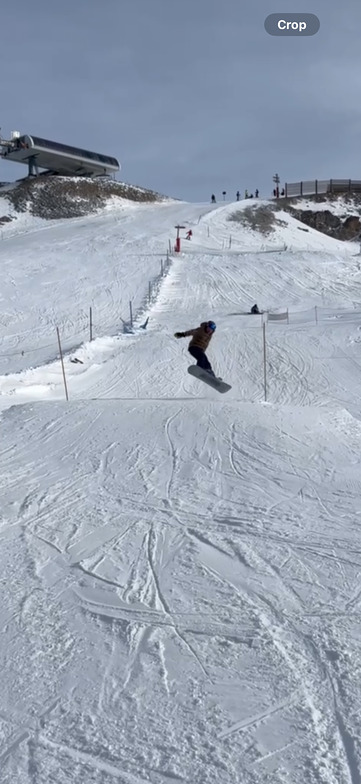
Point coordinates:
[(57, 158)]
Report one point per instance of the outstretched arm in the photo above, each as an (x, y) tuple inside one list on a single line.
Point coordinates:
[(184, 334)]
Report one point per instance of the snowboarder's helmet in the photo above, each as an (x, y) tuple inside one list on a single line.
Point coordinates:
[(211, 325)]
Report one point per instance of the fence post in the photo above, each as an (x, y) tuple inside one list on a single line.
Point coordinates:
[(316, 187), (301, 188), (161, 267), (330, 186), (286, 190), (264, 363), (316, 314), (349, 186), (62, 364), (91, 323)]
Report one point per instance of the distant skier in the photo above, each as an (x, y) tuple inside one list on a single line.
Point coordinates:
[(213, 198), (201, 337), (189, 234), (238, 195), (255, 310)]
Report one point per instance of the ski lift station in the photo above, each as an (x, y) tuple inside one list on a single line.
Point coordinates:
[(55, 158)]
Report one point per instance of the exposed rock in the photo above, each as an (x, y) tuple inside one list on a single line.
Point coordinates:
[(325, 221), (351, 228), (56, 198)]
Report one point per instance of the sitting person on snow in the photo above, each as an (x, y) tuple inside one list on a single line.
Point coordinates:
[(254, 309), (201, 337)]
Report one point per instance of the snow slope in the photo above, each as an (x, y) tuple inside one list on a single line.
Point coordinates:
[(338, 205), (180, 569)]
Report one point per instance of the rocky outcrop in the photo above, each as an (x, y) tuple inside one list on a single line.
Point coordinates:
[(344, 228), (55, 198), (350, 229)]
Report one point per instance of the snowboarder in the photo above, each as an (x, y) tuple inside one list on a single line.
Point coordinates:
[(254, 309), (201, 337)]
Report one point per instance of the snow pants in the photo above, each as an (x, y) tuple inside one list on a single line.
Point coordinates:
[(201, 358)]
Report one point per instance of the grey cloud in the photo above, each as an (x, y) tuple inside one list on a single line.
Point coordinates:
[(192, 97)]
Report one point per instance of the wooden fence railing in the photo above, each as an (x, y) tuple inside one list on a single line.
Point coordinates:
[(311, 187)]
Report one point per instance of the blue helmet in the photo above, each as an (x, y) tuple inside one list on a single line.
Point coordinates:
[(211, 325)]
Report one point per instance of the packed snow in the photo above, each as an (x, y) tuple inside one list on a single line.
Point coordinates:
[(180, 569)]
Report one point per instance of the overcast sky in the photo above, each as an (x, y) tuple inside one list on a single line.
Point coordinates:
[(191, 96)]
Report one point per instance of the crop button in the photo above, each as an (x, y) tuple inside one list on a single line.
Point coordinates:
[(292, 24)]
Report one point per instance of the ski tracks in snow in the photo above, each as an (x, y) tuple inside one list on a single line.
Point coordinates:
[(173, 455), (200, 567)]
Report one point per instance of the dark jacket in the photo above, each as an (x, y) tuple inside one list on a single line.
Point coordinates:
[(200, 337)]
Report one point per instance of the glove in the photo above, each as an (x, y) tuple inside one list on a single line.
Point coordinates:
[(179, 335)]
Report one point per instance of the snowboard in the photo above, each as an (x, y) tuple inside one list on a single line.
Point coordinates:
[(198, 372)]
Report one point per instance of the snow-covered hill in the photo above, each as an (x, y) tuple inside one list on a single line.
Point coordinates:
[(180, 569)]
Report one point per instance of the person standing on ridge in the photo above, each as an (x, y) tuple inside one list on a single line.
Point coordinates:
[(201, 337)]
